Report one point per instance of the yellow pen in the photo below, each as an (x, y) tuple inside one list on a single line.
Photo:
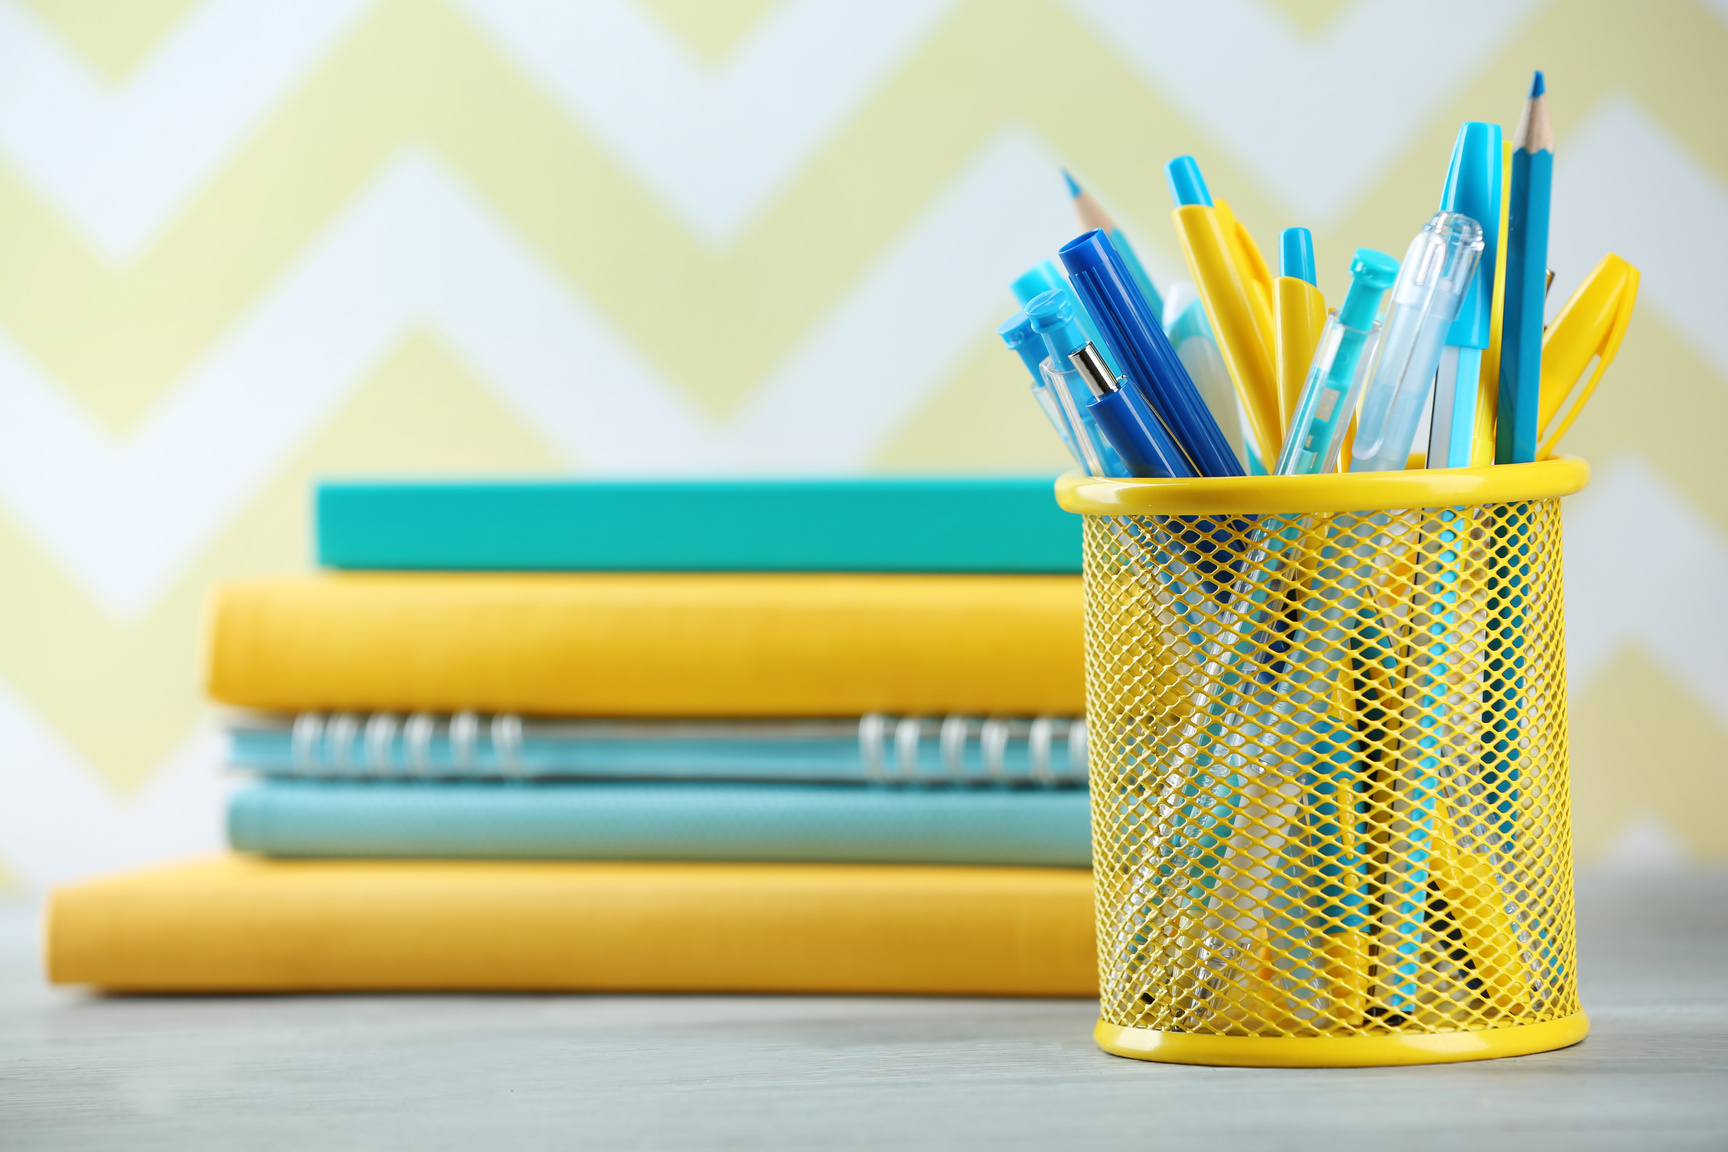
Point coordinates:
[(1209, 243), (1253, 268), (1298, 317), (1589, 328)]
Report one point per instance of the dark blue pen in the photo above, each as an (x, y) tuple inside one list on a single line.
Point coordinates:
[(1145, 447), (1144, 354)]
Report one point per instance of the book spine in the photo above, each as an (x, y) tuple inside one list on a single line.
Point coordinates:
[(650, 644), (243, 924), (1000, 524), (662, 821)]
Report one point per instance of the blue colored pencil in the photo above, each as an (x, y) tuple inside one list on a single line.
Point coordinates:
[(1526, 281)]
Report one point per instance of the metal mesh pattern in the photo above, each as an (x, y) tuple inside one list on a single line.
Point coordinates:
[(1329, 774)]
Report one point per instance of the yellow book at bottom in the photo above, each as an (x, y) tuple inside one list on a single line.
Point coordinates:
[(243, 924)]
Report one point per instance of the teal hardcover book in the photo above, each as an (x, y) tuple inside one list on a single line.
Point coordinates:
[(663, 821), (875, 524)]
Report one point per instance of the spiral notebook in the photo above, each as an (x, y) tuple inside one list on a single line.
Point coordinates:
[(1043, 751)]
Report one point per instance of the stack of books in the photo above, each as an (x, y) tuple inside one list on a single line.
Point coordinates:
[(721, 736)]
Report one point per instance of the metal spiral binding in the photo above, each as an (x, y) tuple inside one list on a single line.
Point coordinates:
[(340, 732), (872, 731), (507, 743), (954, 734), (347, 744), (380, 742), (417, 736), (464, 733), (994, 740), (308, 731)]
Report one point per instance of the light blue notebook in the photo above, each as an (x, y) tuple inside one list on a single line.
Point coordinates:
[(669, 821)]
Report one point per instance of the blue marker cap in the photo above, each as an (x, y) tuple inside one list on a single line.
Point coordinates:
[(1144, 355), (1296, 254), (1371, 273), (1186, 183), (1038, 279), (1473, 190), (1016, 332), (1053, 318)]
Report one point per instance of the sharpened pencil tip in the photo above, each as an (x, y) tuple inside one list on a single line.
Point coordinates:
[(1073, 187), (1537, 86)]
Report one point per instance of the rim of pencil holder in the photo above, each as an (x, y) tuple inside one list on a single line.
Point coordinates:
[(1338, 843), (1341, 492)]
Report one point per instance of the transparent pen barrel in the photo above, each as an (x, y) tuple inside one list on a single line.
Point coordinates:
[(1329, 397), (1431, 285), (1092, 450)]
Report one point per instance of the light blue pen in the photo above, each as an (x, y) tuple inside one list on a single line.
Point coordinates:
[(1017, 333), (1046, 277), (1053, 318), (1340, 365), (1431, 285), (1472, 188)]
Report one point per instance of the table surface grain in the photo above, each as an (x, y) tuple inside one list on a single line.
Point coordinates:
[(528, 1072)]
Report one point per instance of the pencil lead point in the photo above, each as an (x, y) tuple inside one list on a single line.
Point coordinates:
[(1537, 86), (1073, 187)]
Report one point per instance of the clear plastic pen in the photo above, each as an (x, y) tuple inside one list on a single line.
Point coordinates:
[(1340, 365), (1018, 334), (1425, 300)]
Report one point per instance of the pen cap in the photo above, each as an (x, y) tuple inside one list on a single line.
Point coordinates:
[(1036, 281), (1371, 273), (1439, 266), (1473, 190), (1046, 277), (1584, 337), (1296, 254), (1017, 333), (1187, 186), (1052, 315)]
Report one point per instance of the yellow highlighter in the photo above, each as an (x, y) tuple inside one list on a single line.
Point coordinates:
[(1209, 241), (1298, 316), (1589, 328)]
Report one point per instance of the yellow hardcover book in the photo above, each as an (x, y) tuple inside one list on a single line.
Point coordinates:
[(657, 644), (241, 924)]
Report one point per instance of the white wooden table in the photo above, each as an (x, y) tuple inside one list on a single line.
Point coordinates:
[(699, 1072)]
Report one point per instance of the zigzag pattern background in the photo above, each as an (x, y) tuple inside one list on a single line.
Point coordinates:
[(245, 244)]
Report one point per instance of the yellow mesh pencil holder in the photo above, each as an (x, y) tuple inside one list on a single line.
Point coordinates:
[(1327, 725)]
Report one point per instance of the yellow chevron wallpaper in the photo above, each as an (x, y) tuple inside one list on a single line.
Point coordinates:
[(244, 243)]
